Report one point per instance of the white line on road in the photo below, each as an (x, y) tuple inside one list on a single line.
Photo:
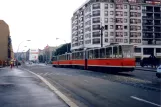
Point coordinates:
[(61, 95), (142, 100), (45, 74), (85, 80)]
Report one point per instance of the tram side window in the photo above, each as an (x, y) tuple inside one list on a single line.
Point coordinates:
[(96, 53), (81, 55), (108, 52), (77, 55), (60, 57), (120, 52), (102, 53), (72, 55), (90, 54), (115, 52), (68, 56)]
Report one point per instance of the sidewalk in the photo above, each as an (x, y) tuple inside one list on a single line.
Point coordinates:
[(146, 68), (21, 89)]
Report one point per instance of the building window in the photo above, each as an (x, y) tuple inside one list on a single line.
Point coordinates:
[(125, 40), (111, 20), (125, 6), (139, 8), (148, 51), (96, 41), (158, 50), (96, 34), (106, 20), (111, 5), (125, 33), (88, 42), (139, 28), (138, 41), (138, 14), (106, 13), (139, 34), (125, 27), (96, 27), (96, 6), (132, 7), (106, 27), (96, 20), (111, 33), (106, 6), (106, 40), (88, 35), (111, 12), (138, 50), (125, 20), (106, 34), (96, 13), (125, 13), (139, 20), (111, 40), (88, 29), (111, 26)]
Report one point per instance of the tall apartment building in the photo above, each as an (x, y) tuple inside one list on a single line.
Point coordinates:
[(136, 22)]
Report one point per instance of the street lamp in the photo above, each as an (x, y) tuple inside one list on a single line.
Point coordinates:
[(101, 29), (65, 42), (19, 47)]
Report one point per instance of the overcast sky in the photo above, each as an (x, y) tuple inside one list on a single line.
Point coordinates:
[(41, 21)]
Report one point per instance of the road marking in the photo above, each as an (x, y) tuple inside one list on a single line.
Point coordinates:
[(45, 74), (142, 100), (61, 95), (85, 80)]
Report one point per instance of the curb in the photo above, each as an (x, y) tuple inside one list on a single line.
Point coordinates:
[(146, 69), (61, 95)]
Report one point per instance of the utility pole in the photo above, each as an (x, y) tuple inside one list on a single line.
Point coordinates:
[(101, 29)]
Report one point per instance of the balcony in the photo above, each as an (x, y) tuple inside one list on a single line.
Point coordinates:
[(148, 24), (148, 42), (147, 17), (148, 37), (148, 30), (158, 42)]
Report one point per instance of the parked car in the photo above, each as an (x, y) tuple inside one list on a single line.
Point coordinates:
[(158, 74)]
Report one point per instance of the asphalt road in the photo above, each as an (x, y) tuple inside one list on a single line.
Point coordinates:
[(96, 89), (19, 88)]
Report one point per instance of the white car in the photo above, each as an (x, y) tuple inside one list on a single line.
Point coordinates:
[(158, 74)]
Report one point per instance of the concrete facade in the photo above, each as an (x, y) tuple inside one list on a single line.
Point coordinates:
[(6, 51), (136, 22)]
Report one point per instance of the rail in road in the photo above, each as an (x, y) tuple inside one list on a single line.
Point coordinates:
[(88, 88)]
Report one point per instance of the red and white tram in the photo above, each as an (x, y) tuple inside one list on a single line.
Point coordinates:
[(113, 58)]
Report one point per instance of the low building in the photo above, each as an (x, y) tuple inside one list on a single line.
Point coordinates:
[(48, 53), (32, 55)]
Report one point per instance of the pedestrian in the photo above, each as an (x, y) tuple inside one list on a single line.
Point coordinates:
[(17, 63), (11, 64)]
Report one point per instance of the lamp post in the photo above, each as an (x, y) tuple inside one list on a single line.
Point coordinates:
[(19, 47), (65, 43), (101, 29)]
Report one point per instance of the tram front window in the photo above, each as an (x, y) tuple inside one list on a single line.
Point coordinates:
[(127, 51)]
